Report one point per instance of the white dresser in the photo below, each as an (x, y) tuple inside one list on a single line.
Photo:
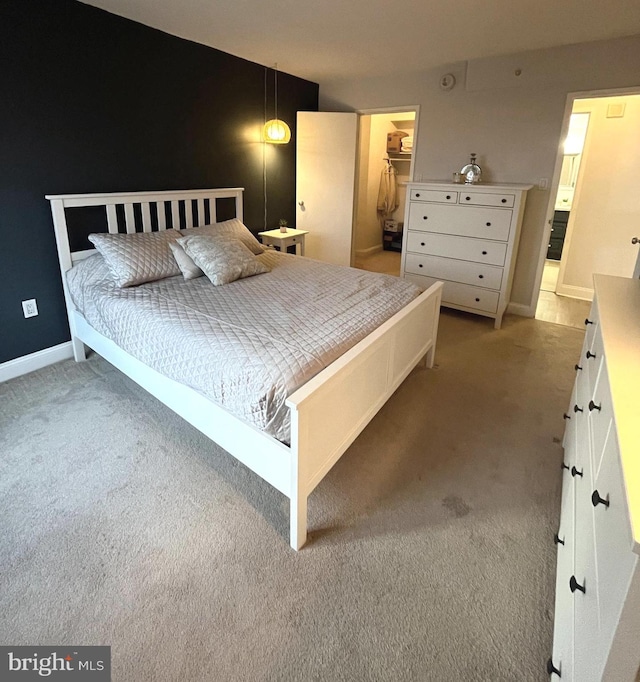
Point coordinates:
[(466, 236), (597, 610)]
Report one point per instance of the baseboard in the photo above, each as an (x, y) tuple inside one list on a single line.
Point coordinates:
[(583, 293), (368, 252), (34, 361), (521, 309)]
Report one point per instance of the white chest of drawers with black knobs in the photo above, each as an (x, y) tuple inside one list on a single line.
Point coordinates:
[(466, 236), (597, 603)]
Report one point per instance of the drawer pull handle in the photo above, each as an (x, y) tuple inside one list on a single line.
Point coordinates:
[(575, 585), (551, 669), (422, 244), (484, 253), (590, 354), (593, 406), (448, 196), (477, 300), (564, 466), (425, 217), (577, 367), (488, 224), (587, 321), (480, 276), (557, 540), (566, 416), (419, 265), (417, 194), (504, 201), (575, 472), (467, 198), (577, 409), (596, 499)]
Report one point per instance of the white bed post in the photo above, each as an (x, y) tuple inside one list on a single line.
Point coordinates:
[(64, 255), (298, 493)]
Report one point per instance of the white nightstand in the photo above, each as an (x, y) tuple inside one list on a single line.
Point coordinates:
[(282, 240)]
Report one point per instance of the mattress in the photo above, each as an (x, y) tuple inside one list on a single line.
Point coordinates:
[(245, 345)]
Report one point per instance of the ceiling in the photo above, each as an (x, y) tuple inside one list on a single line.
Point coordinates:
[(324, 40)]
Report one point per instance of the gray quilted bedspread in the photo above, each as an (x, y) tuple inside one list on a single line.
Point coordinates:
[(245, 345)]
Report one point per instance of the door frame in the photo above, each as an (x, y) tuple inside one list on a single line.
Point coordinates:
[(371, 112), (555, 182)]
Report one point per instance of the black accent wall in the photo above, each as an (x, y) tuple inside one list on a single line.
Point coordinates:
[(92, 102)]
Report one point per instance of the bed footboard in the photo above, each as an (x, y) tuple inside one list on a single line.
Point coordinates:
[(331, 410)]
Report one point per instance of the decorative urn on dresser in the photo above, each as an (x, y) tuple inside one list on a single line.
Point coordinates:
[(466, 236)]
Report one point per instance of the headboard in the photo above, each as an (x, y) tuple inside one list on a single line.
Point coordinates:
[(139, 211)]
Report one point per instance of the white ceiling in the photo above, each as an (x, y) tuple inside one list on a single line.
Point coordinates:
[(323, 40)]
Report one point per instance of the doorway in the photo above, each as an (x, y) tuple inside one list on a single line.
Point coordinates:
[(385, 161), (594, 214)]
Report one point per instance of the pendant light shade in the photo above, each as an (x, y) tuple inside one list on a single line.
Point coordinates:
[(275, 131)]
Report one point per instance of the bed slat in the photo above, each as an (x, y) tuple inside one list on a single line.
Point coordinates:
[(200, 203), (112, 219), (212, 209), (129, 218), (175, 214), (162, 216), (188, 213), (146, 217)]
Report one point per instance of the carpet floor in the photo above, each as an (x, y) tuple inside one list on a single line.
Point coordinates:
[(430, 554)]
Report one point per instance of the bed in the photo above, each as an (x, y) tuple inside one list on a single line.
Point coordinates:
[(294, 438)]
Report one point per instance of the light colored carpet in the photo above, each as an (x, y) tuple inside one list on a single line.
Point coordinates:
[(431, 553)]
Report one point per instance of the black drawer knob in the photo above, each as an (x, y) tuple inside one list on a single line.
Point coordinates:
[(477, 300), (590, 354), (577, 409), (467, 198), (564, 466), (587, 321), (593, 406), (566, 416), (422, 244), (425, 217), (504, 201), (419, 265), (551, 669), (448, 196), (557, 540), (417, 194), (484, 253), (576, 366), (480, 276), (596, 499), (575, 585), (575, 472), (488, 224)]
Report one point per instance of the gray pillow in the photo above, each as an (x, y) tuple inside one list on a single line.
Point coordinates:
[(137, 258), (229, 228), (222, 259), (188, 268)]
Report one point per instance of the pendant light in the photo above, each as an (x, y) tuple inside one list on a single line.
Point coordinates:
[(276, 131)]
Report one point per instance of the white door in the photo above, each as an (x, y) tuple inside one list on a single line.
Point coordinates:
[(325, 183), (636, 269)]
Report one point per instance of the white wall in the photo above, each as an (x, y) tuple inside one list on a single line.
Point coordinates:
[(606, 211), (513, 122)]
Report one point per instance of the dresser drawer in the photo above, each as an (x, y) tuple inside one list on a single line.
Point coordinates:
[(474, 198), (454, 270), (600, 420), (463, 248), (435, 195), (613, 542), (462, 295), (485, 223)]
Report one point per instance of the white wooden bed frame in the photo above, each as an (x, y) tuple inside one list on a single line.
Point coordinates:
[(327, 413)]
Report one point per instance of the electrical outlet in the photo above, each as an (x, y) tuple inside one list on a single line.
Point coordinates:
[(30, 307), (543, 183)]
